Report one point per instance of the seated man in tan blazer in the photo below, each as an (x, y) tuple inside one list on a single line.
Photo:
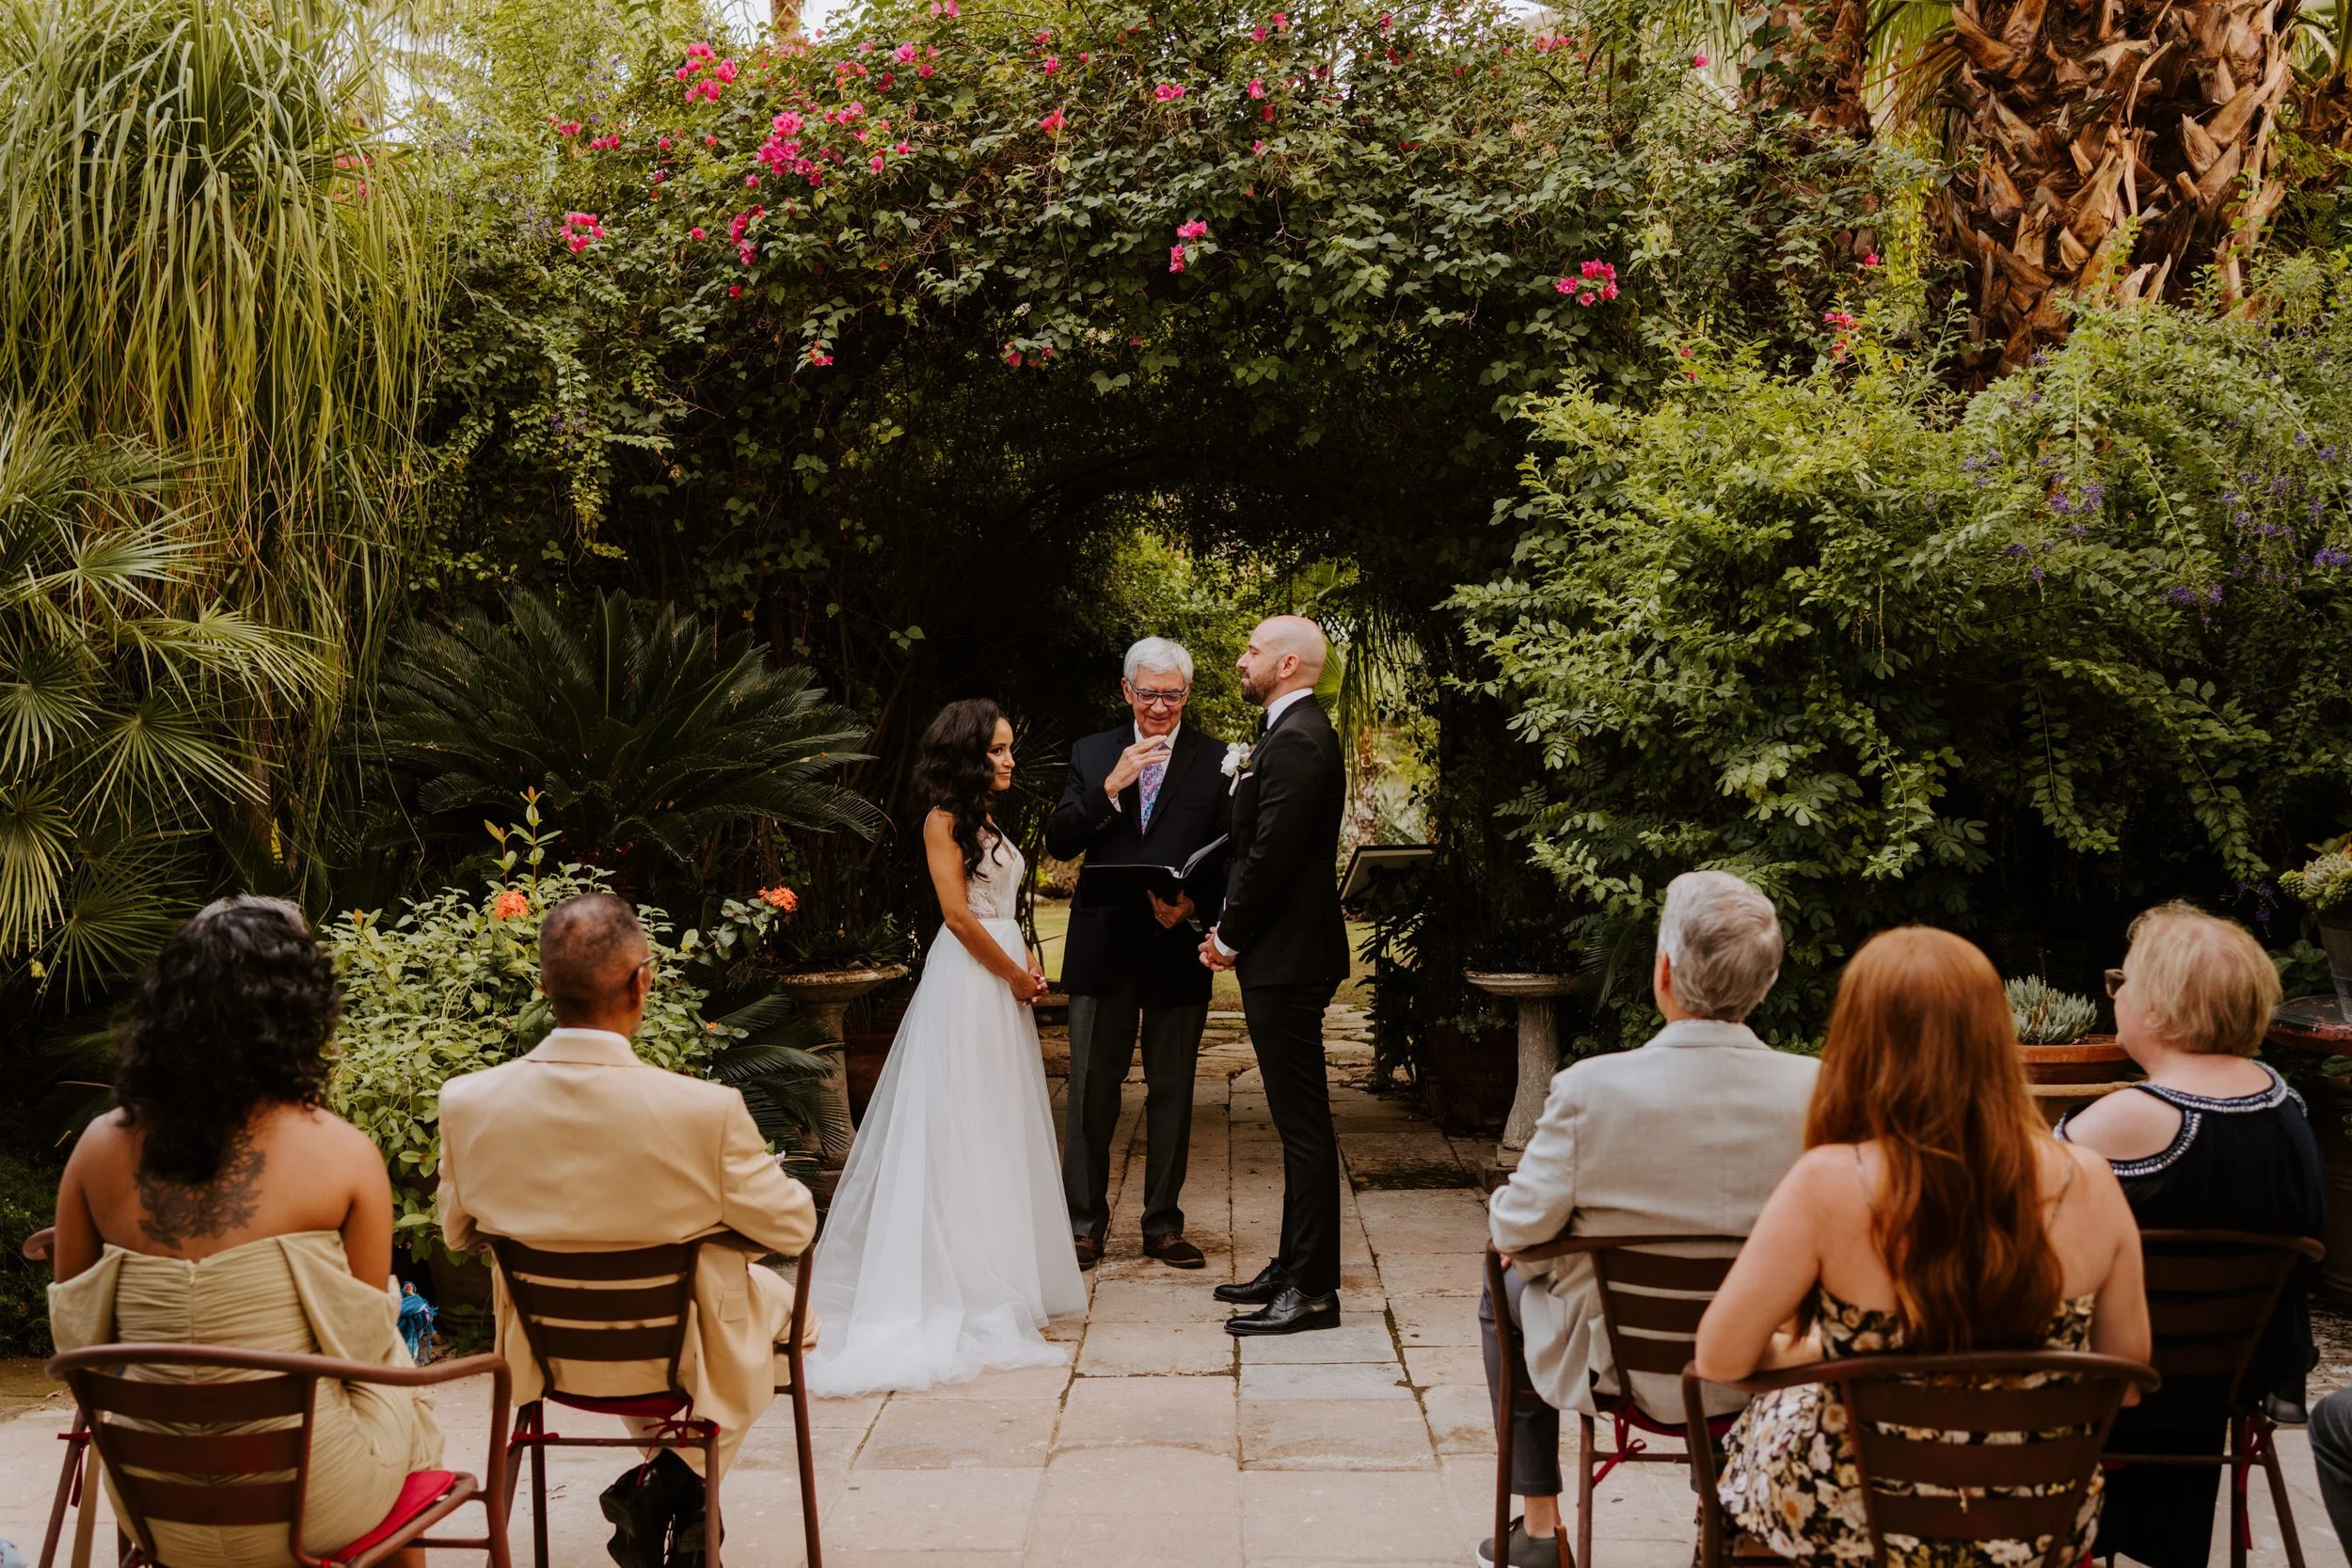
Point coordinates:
[(1687, 1135), (580, 1146)]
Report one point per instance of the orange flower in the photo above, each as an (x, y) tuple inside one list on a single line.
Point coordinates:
[(510, 903), (780, 899)]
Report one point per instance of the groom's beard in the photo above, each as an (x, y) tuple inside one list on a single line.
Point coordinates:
[(1250, 694)]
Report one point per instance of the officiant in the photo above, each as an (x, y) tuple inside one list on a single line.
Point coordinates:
[(1151, 791)]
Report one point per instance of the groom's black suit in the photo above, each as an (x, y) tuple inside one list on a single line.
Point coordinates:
[(1282, 918)]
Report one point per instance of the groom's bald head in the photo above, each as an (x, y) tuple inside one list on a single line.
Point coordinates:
[(1286, 652)]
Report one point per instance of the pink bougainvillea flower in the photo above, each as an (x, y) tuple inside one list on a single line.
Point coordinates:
[(665, 144), (949, 8), (904, 53), (1013, 357), (875, 162), (786, 124), (1049, 64), (1841, 320), (1175, 258), (1258, 147), (696, 232), (1565, 286), (752, 180), (1280, 21), (1167, 92), (1686, 351), (1871, 260), (1052, 123), (900, 148), (727, 71), (1257, 35), (1267, 114), (1193, 230), (711, 141), (508, 904), (1699, 61), (735, 290), (684, 72), (1387, 21), (1257, 87), (924, 71)]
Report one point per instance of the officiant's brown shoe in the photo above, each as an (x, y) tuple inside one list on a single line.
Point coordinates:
[(1174, 1251), (1089, 1250)]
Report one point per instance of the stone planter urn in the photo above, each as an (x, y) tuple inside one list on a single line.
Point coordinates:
[(826, 993), (1540, 1048)]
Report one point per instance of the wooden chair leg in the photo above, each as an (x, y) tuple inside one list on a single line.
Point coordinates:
[(807, 1456), (1584, 1492), (69, 1489), (2241, 1527), (539, 1502), (2269, 1456), (712, 1526)]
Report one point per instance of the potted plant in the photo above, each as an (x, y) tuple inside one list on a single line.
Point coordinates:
[(2324, 883), (2054, 1033)]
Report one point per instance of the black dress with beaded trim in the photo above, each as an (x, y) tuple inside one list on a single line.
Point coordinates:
[(2244, 1164)]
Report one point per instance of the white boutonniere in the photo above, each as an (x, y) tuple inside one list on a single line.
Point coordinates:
[(1236, 762)]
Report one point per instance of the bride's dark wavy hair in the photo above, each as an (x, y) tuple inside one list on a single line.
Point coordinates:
[(952, 771), (235, 1010)]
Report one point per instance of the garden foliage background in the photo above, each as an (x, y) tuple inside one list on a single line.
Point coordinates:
[(566, 415)]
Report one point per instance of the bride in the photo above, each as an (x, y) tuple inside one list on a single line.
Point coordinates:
[(948, 1245)]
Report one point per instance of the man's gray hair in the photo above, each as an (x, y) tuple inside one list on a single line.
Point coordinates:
[(1722, 937), (1157, 652)]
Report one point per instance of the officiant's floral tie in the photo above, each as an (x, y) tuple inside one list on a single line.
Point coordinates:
[(1150, 785)]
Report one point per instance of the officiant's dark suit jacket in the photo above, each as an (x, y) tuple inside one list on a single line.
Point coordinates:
[(1282, 903), (1109, 948)]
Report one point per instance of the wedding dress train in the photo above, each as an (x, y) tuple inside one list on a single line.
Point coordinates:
[(948, 1242)]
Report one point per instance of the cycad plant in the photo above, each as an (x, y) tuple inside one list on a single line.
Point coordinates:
[(129, 693), (650, 736), (206, 244)]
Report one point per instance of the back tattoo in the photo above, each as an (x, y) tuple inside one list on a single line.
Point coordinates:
[(176, 1214)]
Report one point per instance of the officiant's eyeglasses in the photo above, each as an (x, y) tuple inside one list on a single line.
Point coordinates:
[(1159, 699)]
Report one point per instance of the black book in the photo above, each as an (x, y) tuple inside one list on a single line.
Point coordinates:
[(1113, 886)]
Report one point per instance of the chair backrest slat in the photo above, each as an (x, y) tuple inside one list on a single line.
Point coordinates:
[(179, 1502), (1965, 1464), (219, 1453), (595, 1304), (2188, 1318), (1951, 1407), (644, 1262), (564, 1343), (1675, 1315), (259, 1399), (1665, 1271), (1984, 1518)]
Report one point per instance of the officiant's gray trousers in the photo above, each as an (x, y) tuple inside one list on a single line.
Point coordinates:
[(1103, 1031)]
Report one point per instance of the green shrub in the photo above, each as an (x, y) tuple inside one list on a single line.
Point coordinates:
[(2022, 664), (28, 1202)]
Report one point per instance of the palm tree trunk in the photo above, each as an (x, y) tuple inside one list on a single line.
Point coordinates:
[(2120, 147)]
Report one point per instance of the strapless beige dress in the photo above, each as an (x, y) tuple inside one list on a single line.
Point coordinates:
[(292, 1293)]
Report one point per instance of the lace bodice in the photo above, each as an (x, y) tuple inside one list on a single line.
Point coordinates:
[(995, 887)]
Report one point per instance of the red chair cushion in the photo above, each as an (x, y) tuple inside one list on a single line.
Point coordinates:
[(647, 1407), (418, 1493)]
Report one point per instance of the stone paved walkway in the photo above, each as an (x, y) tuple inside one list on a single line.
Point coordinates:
[(1167, 1442)]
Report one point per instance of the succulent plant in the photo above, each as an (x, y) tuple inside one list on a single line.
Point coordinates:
[(2047, 1016), (2325, 883)]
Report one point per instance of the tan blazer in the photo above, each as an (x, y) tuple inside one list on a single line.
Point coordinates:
[(1687, 1135), (580, 1146)]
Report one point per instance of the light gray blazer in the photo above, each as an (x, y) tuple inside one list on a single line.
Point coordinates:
[(1690, 1134)]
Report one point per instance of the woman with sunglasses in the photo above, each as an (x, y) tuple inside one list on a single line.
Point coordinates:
[(2212, 1140)]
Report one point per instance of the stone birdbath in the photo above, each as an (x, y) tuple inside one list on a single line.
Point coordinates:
[(1540, 1048), (826, 993)]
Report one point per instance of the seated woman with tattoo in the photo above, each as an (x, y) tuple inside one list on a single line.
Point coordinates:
[(220, 1203)]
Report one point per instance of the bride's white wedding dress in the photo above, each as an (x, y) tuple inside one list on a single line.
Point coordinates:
[(949, 1246)]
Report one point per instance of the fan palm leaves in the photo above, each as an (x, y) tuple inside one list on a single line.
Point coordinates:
[(207, 244), (128, 696), (648, 734)]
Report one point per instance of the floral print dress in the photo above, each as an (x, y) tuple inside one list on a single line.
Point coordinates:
[(1790, 1476)]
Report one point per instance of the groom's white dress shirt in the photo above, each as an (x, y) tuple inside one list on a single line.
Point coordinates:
[(1687, 1136), (1274, 710)]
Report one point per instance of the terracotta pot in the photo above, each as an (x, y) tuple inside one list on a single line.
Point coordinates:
[(865, 1056), (462, 1283), (2092, 1059), (1466, 1083)]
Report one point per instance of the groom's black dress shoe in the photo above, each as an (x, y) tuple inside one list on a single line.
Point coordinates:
[(1254, 1293), (1291, 1311)]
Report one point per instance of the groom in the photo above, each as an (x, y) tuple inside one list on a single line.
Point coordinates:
[(1282, 930)]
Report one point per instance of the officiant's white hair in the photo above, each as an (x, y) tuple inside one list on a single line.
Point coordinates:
[(1157, 652)]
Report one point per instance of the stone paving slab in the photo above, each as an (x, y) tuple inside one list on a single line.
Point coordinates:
[(1164, 1440)]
